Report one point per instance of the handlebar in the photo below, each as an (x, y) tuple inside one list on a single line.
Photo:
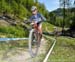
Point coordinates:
[(28, 21)]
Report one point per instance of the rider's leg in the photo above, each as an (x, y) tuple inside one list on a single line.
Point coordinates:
[(40, 32), (40, 29)]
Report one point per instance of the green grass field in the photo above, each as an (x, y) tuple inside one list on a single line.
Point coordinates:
[(64, 50)]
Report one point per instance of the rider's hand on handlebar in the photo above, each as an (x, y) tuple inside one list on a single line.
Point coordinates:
[(32, 23)]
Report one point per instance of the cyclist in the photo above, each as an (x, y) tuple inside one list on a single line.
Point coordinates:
[(37, 18)]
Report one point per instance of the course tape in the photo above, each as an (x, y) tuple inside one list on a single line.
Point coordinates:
[(12, 39), (49, 53)]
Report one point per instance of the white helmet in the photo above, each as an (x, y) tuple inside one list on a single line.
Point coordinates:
[(33, 8)]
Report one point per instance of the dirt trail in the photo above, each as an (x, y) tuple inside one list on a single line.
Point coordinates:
[(23, 55)]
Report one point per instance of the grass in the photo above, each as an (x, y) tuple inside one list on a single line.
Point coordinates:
[(9, 49), (64, 50), (13, 44), (17, 31), (11, 31), (50, 27)]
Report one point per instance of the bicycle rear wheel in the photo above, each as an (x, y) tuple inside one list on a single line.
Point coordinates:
[(33, 43)]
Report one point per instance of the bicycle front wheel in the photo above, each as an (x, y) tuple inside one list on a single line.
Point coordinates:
[(33, 46)]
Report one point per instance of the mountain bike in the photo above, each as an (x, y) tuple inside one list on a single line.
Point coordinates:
[(34, 40)]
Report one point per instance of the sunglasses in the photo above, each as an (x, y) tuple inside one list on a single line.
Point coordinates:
[(34, 10)]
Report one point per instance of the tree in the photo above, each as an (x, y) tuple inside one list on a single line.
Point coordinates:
[(21, 8), (64, 4), (73, 17), (52, 18)]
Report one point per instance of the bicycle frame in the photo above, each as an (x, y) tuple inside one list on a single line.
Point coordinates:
[(35, 26)]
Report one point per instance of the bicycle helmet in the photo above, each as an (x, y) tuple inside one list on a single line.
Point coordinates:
[(33, 8)]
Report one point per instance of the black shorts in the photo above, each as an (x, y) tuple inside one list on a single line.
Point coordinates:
[(38, 24)]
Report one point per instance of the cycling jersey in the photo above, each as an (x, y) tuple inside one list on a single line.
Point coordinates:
[(37, 18)]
